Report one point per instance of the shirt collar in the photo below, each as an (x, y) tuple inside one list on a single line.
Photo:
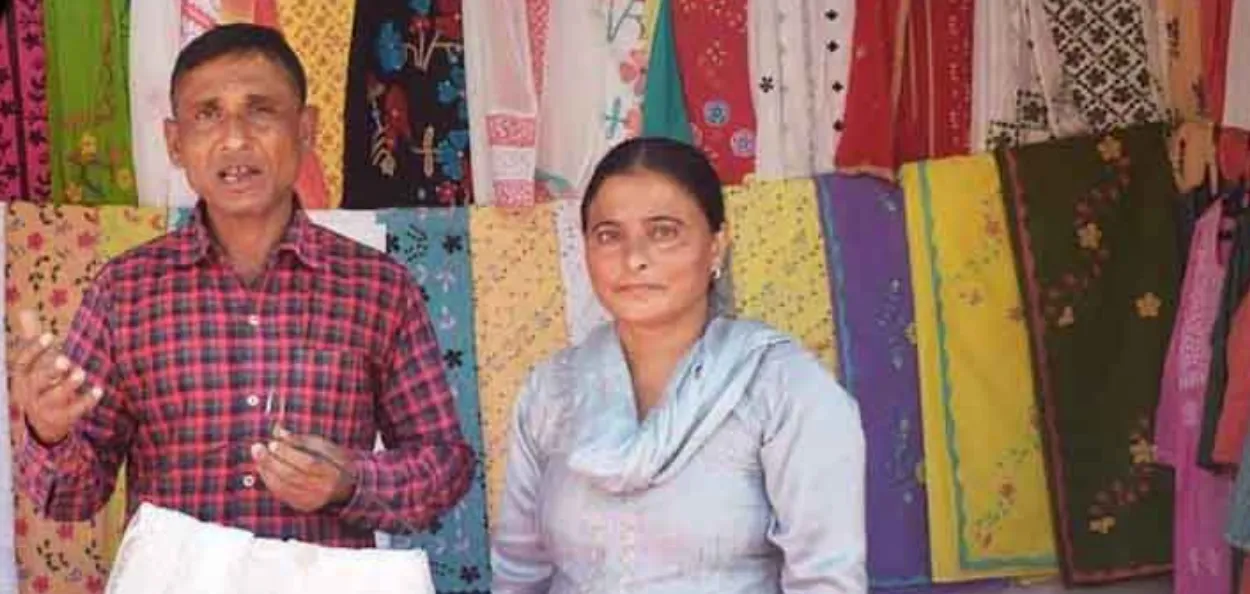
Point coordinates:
[(298, 238)]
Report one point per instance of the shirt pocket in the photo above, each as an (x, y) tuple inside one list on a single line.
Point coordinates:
[(328, 391)]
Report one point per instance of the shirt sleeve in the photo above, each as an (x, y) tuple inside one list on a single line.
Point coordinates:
[(427, 465), (813, 459), (520, 563), (73, 479)]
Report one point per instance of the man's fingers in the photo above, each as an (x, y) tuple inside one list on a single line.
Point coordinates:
[(62, 395), (51, 369), (28, 325), (273, 466), (83, 403), (29, 351)]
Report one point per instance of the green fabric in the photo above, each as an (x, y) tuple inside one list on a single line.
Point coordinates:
[(663, 105), (1236, 284), (88, 101), (1092, 228)]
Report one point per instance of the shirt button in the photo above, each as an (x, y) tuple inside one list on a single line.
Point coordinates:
[(249, 481), (253, 320), (253, 400)]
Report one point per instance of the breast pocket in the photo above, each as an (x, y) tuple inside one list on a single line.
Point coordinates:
[(329, 392)]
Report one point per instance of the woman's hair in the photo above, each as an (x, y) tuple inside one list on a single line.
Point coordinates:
[(683, 164)]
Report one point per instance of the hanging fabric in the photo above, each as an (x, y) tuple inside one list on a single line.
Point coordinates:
[(1237, 70), (502, 99), (866, 244), (911, 85), (406, 113), (1100, 288), (1103, 60), (800, 60), (518, 315), (88, 102), (320, 33), (155, 39), (778, 263), (712, 50), (24, 151), (984, 472), (664, 109), (1200, 556), (434, 246)]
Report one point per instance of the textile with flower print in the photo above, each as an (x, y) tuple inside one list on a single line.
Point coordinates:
[(406, 113), (24, 173), (778, 266), (866, 244), (712, 52), (1092, 223), (518, 313), (53, 254), (88, 102), (434, 245), (984, 469)]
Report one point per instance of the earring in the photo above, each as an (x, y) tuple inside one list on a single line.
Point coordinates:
[(716, 273)]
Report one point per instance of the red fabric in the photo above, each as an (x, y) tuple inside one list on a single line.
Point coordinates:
[(869, 123), (935, 111), (189, 358), (1216, 17), (24, 148), (921, 53), (1230, 433), (711, 43)]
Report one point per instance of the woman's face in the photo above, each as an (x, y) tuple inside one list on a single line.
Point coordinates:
[(650, 249)]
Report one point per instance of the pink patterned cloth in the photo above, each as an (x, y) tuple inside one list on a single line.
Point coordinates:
[(1201, 556), (24, 149)]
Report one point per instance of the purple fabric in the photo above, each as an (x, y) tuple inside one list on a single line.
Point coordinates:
[(870, 280)]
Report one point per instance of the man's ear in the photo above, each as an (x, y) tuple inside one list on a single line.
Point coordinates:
[(173, 145)]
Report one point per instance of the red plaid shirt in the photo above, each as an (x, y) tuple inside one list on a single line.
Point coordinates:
[(189, 356)]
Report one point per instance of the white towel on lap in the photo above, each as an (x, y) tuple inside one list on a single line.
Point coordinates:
[(167, 552)]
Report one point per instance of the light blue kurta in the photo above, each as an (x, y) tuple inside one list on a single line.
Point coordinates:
[(748, 477)]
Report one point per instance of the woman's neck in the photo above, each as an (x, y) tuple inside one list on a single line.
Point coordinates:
[(653, 352)]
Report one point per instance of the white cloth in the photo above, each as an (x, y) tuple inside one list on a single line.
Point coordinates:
[(8, 559), (571, 136), (167, 552), (155, 38), (360, 225), (1237, 68), (800, 63), (503, 101)]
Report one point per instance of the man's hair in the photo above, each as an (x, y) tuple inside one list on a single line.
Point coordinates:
[(239, 39)]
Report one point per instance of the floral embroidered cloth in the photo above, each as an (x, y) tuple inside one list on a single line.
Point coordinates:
[(866, 243), (984, 470), (434, 245), (88, 102), (53, 253), (24, 173), (406, 114), (518, 315), (1091, 222)]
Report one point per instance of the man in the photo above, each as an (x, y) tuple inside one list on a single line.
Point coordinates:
[(243, 364)]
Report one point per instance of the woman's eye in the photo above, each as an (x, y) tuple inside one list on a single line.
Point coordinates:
[(663, 232), (607, 236)]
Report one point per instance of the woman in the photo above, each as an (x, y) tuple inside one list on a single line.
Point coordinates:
[(674, 450)]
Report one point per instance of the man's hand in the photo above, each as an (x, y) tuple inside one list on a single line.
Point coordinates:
[(45, 383), (303, 480)]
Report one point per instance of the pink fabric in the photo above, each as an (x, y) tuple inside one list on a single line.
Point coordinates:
[(1202, 562), (24, 149)]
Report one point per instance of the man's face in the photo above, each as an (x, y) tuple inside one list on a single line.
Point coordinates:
[(239, 130)]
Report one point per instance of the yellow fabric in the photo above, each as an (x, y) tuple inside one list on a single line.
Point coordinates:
[(518, 315), (320, 31), (53, 253), (989, 511), (778, 264), (125, 227)]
